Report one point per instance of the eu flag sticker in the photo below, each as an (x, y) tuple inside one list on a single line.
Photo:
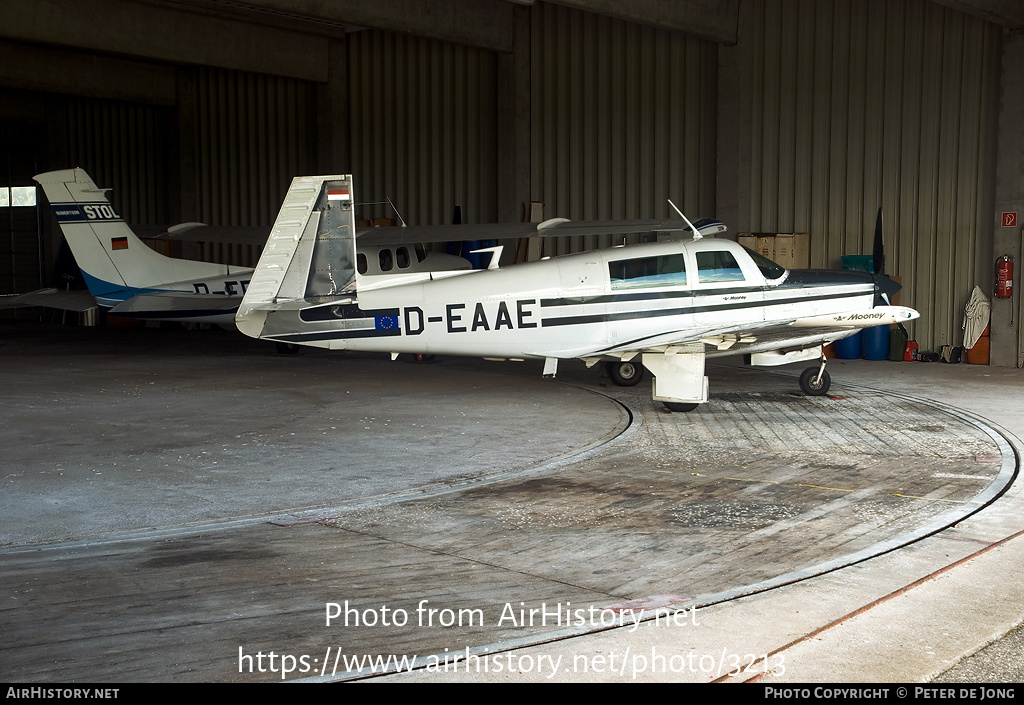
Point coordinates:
[(385, 322)]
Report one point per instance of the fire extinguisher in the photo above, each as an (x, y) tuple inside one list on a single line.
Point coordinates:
[(1004, 281), (1004, 277)]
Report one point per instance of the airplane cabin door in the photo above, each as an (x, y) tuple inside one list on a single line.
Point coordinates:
[(728, 290)]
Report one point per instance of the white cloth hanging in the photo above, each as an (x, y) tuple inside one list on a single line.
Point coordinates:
[(976, 316)]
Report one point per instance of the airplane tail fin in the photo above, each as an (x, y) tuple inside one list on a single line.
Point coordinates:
[(310, 256), (114, 262)]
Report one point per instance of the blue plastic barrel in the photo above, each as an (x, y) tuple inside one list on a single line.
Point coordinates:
[(875, 343), (848, 348)]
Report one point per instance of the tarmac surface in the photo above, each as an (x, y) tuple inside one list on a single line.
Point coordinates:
[(189, 506)]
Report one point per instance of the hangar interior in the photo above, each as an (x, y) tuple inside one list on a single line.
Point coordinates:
[(775, 116)]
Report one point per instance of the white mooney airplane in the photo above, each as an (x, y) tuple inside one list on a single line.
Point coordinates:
[(673, 304), (128, 278)]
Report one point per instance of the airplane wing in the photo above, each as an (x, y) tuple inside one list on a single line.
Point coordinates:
[(556, 227), (201, 232), (79, 301), (744, 339), (413, 234)]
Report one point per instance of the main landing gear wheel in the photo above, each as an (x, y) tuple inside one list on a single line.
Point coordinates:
[(812, 385), (678, 406), (626, 374)]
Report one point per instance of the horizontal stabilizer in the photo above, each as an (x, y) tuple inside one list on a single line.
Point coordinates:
[(175, 305), (79, 301)]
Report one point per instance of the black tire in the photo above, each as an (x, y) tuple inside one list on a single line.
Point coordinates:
[(679, 406), (626, 374), (811, 389), (287, 349)]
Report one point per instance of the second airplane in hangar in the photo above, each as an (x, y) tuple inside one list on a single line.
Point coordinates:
[(130, 279), (670, 304), (127, 278)]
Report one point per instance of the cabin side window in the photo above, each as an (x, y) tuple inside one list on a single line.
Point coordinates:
[(402, 257), (386, 260), (717, 267), (644, 272), (361, 263)]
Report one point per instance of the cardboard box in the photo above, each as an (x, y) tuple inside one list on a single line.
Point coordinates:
[(793, 251), (784, 251), (766, 246)]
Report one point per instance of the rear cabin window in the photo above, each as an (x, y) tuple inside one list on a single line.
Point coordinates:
[(402, 257), (641, 273), (716, 267)]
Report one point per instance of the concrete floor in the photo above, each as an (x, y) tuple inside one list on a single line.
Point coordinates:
[(180, 505)]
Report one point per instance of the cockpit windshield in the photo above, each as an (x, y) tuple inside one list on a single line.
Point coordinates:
[(769, 269)]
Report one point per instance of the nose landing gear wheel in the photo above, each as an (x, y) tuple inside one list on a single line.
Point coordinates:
[(626, 374), (812, 385)]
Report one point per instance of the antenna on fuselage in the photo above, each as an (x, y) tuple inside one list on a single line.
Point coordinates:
[(696, 235)]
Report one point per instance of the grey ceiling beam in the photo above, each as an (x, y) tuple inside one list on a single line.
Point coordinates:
[(716, 20), (76, 73), (1007, 13), (166, 32), (485, 24)]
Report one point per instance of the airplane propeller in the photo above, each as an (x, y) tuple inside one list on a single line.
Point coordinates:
[(884, 284), (878, 255)]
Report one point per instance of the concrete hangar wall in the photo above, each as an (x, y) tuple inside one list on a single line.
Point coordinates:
[(773, 115)]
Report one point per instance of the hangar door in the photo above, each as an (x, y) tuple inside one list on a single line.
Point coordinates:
[(123, 146), (423, 127), (224, 155), (857, 105), (622, 119), (22, 265)]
